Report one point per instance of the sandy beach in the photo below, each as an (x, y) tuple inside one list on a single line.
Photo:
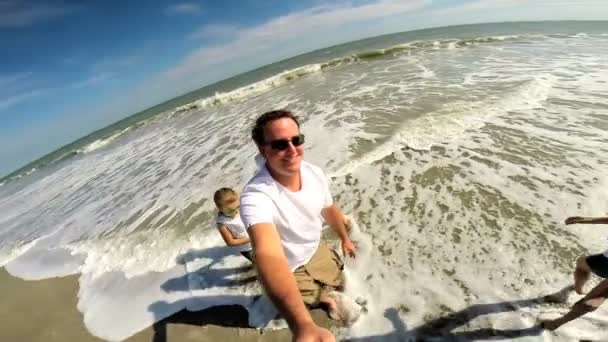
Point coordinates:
[(46, 311)]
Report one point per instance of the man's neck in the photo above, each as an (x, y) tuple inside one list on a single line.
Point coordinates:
[(292, 182)]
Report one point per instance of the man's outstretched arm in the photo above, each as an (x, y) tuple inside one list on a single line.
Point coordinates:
[(586, 220), (335, 219), (280, 284)]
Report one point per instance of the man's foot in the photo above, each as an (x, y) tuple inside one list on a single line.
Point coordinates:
[(579, 290), (559, 297), (550, 325), (341, 308), (332, 307)]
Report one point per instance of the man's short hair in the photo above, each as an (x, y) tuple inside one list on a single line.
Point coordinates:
[(257, 133)]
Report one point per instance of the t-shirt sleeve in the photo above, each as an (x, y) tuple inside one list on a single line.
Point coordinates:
[(327, 199), (256, 207)]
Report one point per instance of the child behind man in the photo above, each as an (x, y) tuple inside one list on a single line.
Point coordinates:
[(229, 222)]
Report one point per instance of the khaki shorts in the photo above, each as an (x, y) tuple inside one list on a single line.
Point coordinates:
[(322, 274)]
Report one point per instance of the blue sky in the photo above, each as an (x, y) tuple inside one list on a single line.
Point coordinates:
[(70, 67)]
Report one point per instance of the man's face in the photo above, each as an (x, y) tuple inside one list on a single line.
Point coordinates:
[(284, 162)]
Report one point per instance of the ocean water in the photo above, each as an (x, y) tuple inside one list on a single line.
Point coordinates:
[(457, 151)]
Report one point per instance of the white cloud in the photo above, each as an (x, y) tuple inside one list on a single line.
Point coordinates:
[(513, 10), (8, 80), (14, 89), (216, 31), (18, 98), (184, 8), (114, 63), (486, 4), (269, 35), (17, 14), (95, 80)]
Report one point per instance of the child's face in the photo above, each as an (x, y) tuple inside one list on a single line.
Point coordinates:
[(230, 206)]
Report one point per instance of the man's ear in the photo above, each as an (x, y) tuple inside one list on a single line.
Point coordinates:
[(261, 150)]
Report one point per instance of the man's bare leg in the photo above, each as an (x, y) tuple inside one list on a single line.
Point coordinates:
[(592, 301), (581, 275)]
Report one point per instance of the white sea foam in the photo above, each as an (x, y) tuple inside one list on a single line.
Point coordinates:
[(41, 264), (426, 72), (205, 274), (286, 76), (115, 307), (451, 122), (100, 143), (259, 87)]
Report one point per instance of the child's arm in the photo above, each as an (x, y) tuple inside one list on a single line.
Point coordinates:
[(229, 239), (586, 220)]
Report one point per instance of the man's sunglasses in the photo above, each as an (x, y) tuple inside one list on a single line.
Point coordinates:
[(283, 144)]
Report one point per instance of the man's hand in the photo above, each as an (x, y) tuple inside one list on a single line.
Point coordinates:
[(337, 221), (348, 248), (574, 220), (312, 333)]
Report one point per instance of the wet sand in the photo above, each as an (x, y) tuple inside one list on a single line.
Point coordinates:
[(46, 311)]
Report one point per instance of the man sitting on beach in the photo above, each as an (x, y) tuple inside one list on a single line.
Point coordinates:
[(598, 264), (283, 207)]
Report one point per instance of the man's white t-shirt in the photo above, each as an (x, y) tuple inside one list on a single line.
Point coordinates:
[(296, 215), (236, 227)]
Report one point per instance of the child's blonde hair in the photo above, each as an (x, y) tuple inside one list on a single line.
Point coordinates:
[(220, 195)]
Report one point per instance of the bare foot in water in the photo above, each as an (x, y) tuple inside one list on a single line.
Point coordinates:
[(332, 307), (341, 308), (580, 290), (560, 296)]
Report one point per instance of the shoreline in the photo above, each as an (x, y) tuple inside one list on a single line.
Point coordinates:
[(46, 310)]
